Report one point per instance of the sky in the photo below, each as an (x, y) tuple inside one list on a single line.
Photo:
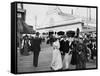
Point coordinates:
[(40, 13), (36, 12)]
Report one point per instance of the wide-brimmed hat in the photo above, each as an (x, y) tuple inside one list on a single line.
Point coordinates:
[(60, 33), (70, 33)]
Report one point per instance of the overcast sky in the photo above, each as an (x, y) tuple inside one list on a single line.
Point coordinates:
[(40, 11)]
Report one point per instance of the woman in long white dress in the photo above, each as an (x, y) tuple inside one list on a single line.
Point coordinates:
[(56, 63)]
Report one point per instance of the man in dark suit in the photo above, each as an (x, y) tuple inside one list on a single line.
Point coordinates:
[(64, 46), (35, 44)]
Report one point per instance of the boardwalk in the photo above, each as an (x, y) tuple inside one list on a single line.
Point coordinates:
[(25, 63)]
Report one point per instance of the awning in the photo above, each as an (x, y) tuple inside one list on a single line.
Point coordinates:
[(87, 29), (22, 27)]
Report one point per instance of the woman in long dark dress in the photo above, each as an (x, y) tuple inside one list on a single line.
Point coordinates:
[(25, 46), (74, 53)]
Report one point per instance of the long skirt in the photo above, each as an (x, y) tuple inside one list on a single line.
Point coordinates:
[(74, 59), (56, 63), (25, 50), (67, 60)]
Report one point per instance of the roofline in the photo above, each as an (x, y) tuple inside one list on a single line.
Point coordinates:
[(59, 25)]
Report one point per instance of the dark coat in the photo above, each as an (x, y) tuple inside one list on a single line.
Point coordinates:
[(35, 44), (64, 46)]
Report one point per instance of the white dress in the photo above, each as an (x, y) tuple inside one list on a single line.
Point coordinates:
[(56, 63)]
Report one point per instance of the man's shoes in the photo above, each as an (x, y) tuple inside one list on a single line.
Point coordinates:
[(35, 65)]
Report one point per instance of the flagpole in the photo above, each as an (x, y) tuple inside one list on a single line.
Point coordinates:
[(87, 17), (35, 22), (89, 14)]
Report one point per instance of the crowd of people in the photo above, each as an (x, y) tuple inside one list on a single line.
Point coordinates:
[(75, 50), (67, 49)]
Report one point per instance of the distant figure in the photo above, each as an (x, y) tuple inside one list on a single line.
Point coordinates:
[(94, 50), (56, 63), (90, 46), (35, 46)]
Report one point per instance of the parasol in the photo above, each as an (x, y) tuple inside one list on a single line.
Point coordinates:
[(61, 33), (70, 33)]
